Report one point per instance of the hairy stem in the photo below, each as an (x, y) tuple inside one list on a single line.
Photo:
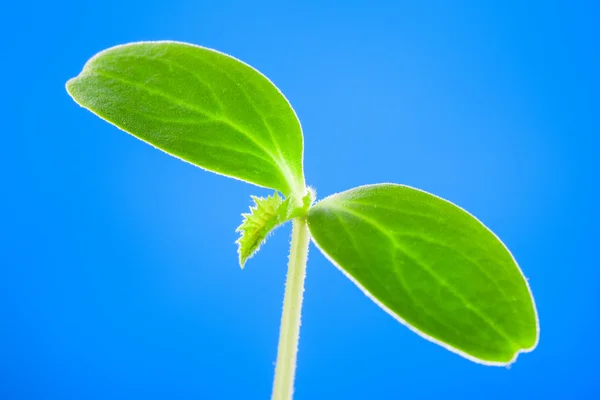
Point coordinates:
[(283, 388)]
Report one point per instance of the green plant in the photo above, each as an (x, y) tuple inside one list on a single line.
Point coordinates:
[(424, 260)]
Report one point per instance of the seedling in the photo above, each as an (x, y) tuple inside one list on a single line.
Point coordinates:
[(425, 261)]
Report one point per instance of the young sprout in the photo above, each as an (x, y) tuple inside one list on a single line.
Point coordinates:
[(425, 261)]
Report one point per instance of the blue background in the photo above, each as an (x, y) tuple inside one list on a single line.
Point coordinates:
[(119, 275)]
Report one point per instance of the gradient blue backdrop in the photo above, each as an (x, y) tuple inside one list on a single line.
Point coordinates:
[(119, 275)]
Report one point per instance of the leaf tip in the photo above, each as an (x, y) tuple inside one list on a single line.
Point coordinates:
[(69, 85)]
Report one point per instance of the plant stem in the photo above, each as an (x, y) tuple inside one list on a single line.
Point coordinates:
[(283, 387)]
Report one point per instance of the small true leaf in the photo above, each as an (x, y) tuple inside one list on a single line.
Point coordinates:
[(433, 266), (266, 214), (200, 105)]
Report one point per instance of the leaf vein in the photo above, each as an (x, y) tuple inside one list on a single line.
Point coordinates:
[(443, 282), (419, 304), (464, 256), (190, 107)]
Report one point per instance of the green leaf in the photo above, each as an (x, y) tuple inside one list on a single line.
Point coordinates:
[(431, 265), (265, 215), (199, 105)]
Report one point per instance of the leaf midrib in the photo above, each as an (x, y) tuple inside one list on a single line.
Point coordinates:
[(183, 121)]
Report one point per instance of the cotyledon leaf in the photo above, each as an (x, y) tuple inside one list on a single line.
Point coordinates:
[(199, 105), (431, 265)]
